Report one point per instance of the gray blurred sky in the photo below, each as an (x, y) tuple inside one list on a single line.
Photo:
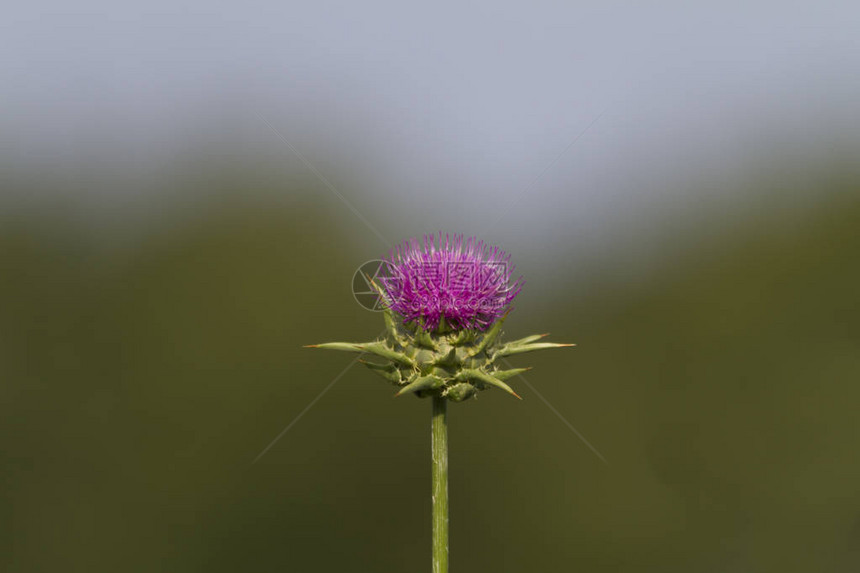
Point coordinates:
[(446, 113)]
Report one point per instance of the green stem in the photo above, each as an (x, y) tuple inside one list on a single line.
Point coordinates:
[(439, 447)]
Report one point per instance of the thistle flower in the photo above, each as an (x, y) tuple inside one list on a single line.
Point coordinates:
[(445, 302), (464, 284)]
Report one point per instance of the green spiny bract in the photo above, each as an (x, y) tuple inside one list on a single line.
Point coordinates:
[(455, 364)]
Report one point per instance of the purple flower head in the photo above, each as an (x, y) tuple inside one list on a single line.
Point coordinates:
[(463, 281)]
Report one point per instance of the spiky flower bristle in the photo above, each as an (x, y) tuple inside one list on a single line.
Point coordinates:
[(460, 280)]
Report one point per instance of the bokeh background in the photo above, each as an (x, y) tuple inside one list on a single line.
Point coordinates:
[(186, 190)]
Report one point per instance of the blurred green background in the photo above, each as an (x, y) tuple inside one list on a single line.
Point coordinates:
[(186, 189), (148, 359)]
